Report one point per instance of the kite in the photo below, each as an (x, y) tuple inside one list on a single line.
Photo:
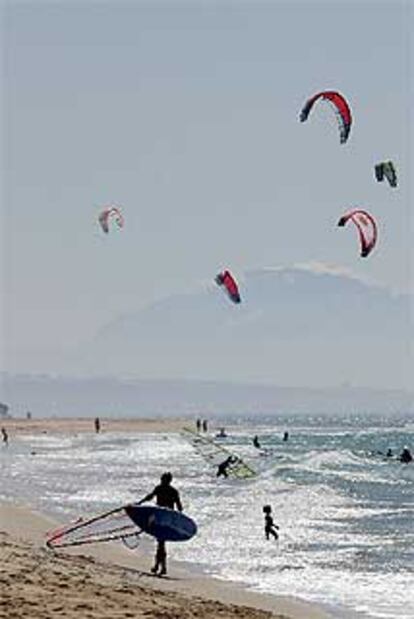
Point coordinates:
[(227, 280), (108, 213), (367, 229), (386, 169), (341, 108)]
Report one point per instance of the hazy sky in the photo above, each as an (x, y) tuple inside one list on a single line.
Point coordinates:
[(186, 114)]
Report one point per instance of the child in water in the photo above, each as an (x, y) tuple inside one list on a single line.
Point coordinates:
[(270, 526)]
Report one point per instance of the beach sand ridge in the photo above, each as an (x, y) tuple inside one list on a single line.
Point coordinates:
[(39, 584)]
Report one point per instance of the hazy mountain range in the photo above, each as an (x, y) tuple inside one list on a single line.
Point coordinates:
[(302, 340), (46, 396), (295, 326)]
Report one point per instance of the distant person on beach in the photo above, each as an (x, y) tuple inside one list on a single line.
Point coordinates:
[(406, 456), (198, 425), (28, 415), (270, 526), (5, 436), (256, 442), (166, 496), (222, 469), (286, 436), (205, 425), (97, 425)]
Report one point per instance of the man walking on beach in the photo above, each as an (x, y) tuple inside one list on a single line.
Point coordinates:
[(166, 496)]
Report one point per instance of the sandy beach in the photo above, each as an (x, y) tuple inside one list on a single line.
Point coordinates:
[(108, 581), (79, 425)]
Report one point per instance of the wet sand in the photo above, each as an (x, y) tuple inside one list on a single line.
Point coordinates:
[(79, 425)]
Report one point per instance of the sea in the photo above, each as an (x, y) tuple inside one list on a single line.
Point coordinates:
[(345, 511)]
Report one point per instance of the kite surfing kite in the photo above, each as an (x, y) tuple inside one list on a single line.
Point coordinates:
[(227, 280), (125, 523), (367, 229), (341, 108), (386, 169), (108, 214)]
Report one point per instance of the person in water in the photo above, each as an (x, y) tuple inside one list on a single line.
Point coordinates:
[(205, 425), (166, 496), (406, 456), (270, 526), (5, 436), (286, 436), (222, 469), (389, 453), (256, 442), (198, 425)]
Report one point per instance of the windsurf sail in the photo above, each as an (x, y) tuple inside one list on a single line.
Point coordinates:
[(215, 454), (107, 527)]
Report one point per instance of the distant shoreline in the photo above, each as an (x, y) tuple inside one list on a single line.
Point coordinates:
[(82, 425)]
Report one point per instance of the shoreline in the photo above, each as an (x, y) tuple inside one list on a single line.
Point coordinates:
[(22, 532), (81, 425)]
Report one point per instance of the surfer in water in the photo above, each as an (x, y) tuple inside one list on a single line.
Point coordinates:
[(166, 496), (406, 456), (222, 468), (5, 436), (256, 442), (270, 526)]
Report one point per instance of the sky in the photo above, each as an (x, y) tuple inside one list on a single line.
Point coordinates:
[(186, 115)]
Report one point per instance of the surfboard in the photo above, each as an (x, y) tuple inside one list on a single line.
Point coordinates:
[(162, 523)]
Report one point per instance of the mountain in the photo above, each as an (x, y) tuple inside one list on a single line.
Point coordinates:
[(54, 396), (295, 326)]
